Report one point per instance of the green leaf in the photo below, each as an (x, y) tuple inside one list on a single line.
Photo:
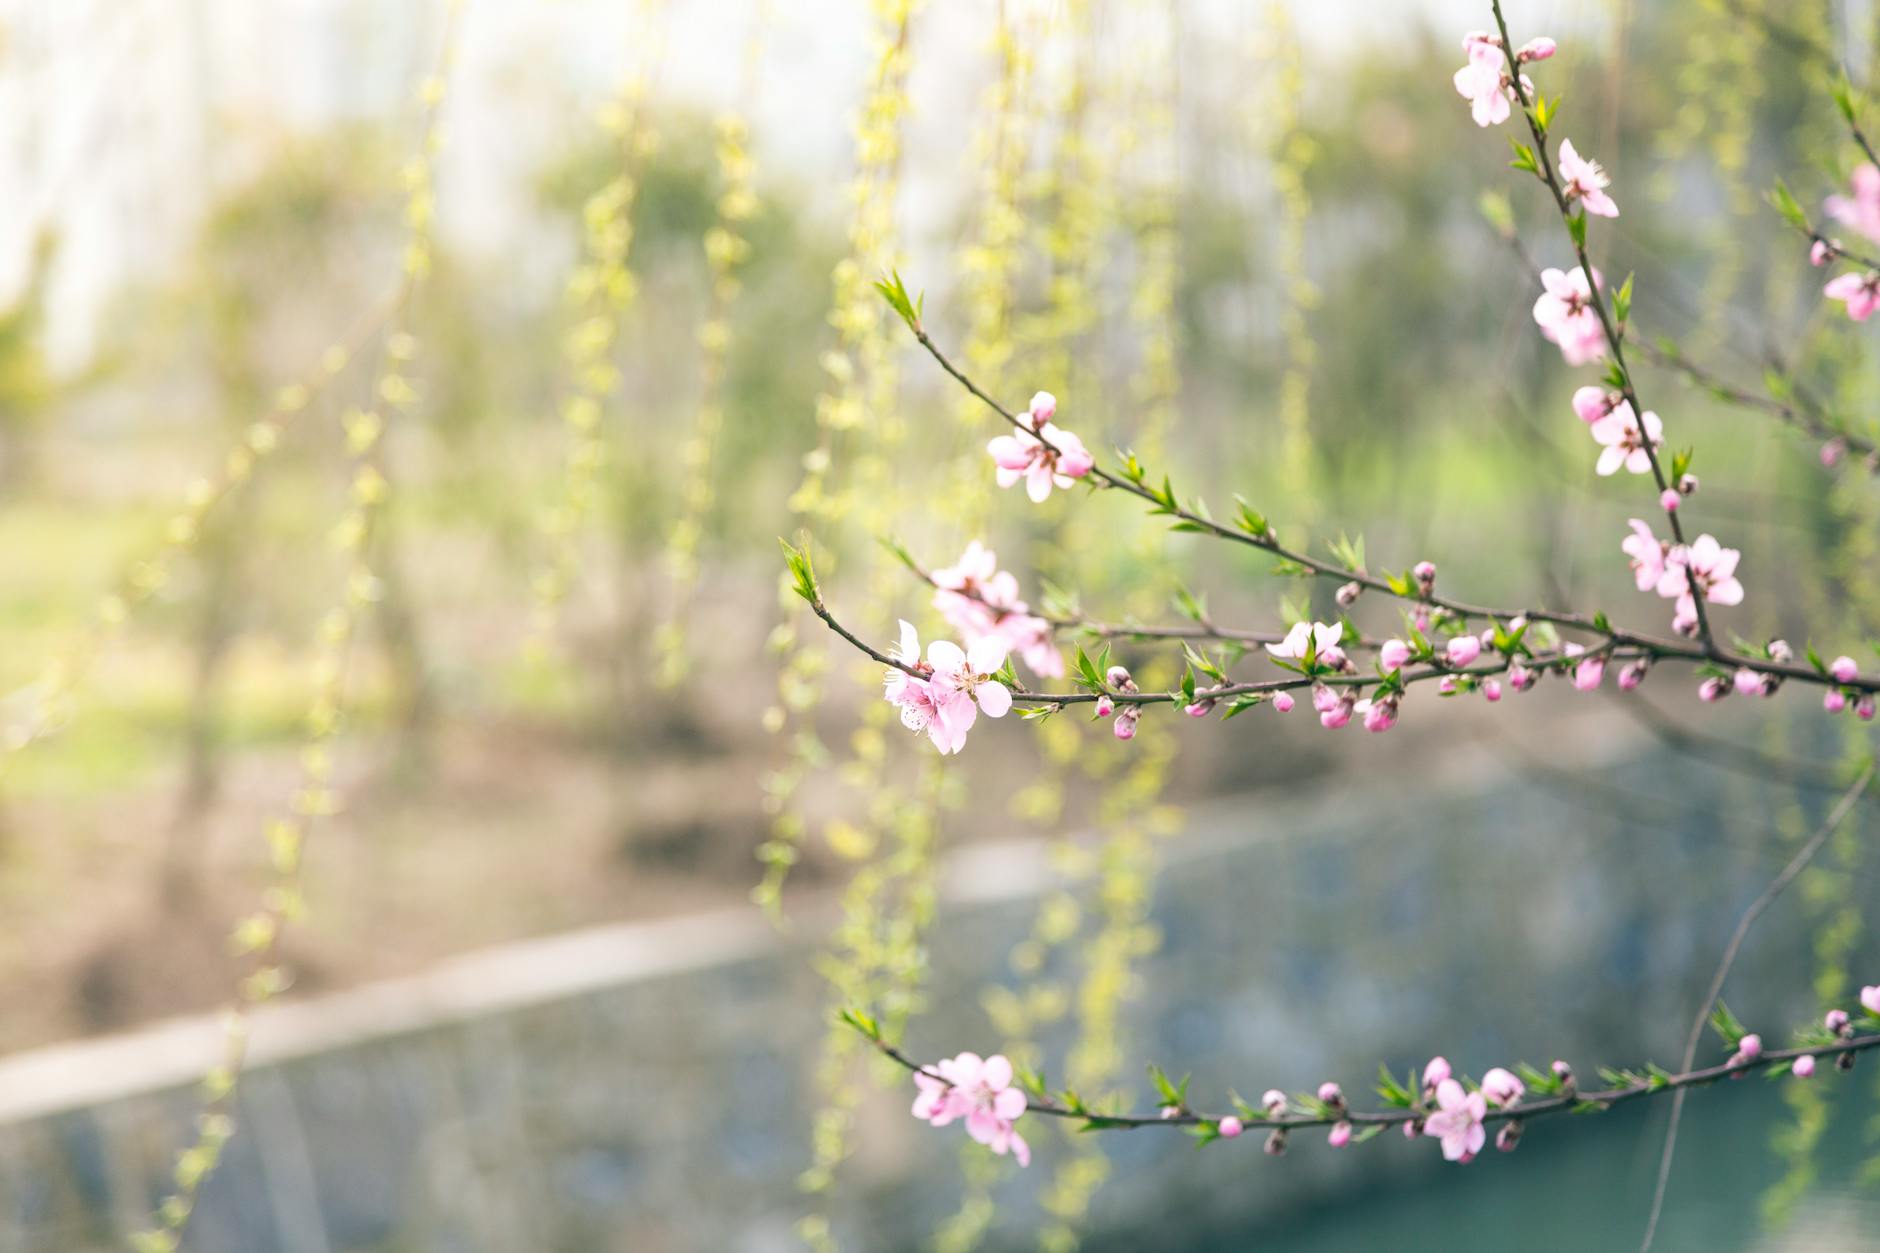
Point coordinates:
[(894, 291), (1843, 92), (1786, 205), (1523, 157), (899, 553), (1725, 1024), (1622, 300), (1250, 519), (1576, 227), (801, 572), (1192, 607)]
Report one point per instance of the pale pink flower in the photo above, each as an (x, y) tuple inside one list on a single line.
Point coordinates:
[(1462, 649), (1844, 669), (1870, 999), (1105, 706), (1125, 724), (1378, 715), (1447, 685), (1864, 710), (1425, 572), (1625, 442), (1860, 291), (1520, 678), (1584, 180), (1331, 1093), (1748, 1049), (980, 1092), (1308, 641), (1229, 1127), (1591, 403), (1751, 682), (1647, 552), (1026, 455), (978, 599), (1804, 1066), (1862, 210), (1565, 314), (1502, 1088), (1631, 674), (1457, 1121), (1710, 566), (1338, 713), (1482, 83), (962, 686)]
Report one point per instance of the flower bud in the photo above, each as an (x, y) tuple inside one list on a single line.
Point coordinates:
[(1462, 649), (1340, 1135), (1834, 700), (1836, 1021), (1276, 1143), (1043, 408), (1125, 725), (1118, 677), (1200, 709), (1864, 710), (1564, 1073), (1687, 486), (1843, 669), (1844, 1062), (1273, 1101), (1448, 685), (1394, 655), (1669, 500), (1632, 674), (1509, 1136), (1229, 1127), (1819, 253), (1434, 1073), (1779, 651), (1804, 1066), (1520, 678), (1283, 702), (1105, 706), (1348, 594), (1537, 49), (1425, 573), (1491, 690), (1331, 1094), (1833, 451), (1413, 1129), (1712, 690)]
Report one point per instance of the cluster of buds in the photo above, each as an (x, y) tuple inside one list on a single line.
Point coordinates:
[(1273, 1101), (1834, 700), (1126, 718)]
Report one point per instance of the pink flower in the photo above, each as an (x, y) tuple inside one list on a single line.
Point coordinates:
[(1589, 673), (1710, 566), (1520, 678), (1862, 211), (1804, 1066), (1482, 83), (1502, 1088), (1229, 1127), (1491, 690), (1870, 999), (1631, 675), (1283, 702), (1125, 724), (1647, 552), (980, 1092), (1308, 641), (946, 705), (1337, 714), (1537, 49), (1200, 709), (1586, 181), (1860, 291), (978, 600), (1751, 683), (1844, 669), (1593, 403), (1462, 649), (1624, 442), (1394, 655), (1834, 700), (1043, 456), (1564, 312), (1340, 1135), (1458, 1121), (1748, 1049)]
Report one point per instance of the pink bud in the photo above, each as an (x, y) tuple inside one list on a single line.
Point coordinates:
[(1043, 408), (1779, 650), (1804, 1066), (1394, 655), (1198, 710), (1833, 451), (1273, 1101), (1347, 594), (1125, 724), (1834, 700), (1331, 1093), (1749, 1048), (1748, 682), (1276, 1143), (1413, 1129), (1870, 999), (1229, 1127), (1118, 676), (1669, 500), (1520, 678), (1382, 715), (1592, 403), (1864, 710), (1334, 657), (1491, 690), (1425, 571), (1843, 669), (1340, 1135), (1509, 1136), (1448, 685), (1462, 650), (1435, 1072), (1283, 702), (1105, 706), (1589, 673), (1819, 253), (1631, 675), (1835, 1020), (1712, 690), (1687, 486), (1536, 49)]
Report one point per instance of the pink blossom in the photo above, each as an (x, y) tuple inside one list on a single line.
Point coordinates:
[(1509, 1137), (1834, 700), (1105, 706), (1870, 999), (1862, 210), (946, 705), (1425, 572), (1593, 403), (1491, 690), (1624, 442), (1229, 1127), (1331, 1093), (1044, 456), (1502, 1088), (1832, 452), (1821, 252), (1458, 1121), (1273, 1101), (1804, 1066), (978, 599), (1860, 291), (1753, 682), (1340, 1135), (1378, 715), (1632, 674), (1585, 180), (1520, 678), (1435, 1072), (980, 1092), (1283, 702), (1462, 649), (1308, 641), (1844, 669), (1482, 83), (1394, 655), (1647, 552), (1538, 48), (1669, 500), (1448, 686), (1565, 314), (1712, 690), (1338, 713), (1589, 673), (1748, 1049), (1710, 566), (1125, 725), (1835, 1020)]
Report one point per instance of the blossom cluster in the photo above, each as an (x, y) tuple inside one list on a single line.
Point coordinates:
[(1859, 290), (981, 601), (947, 691), (981, 1093), (1040, 453)]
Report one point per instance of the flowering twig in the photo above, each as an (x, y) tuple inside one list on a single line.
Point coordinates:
[(1796, 865), (1798, 409), (1543, 166), (1626, 1085)]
